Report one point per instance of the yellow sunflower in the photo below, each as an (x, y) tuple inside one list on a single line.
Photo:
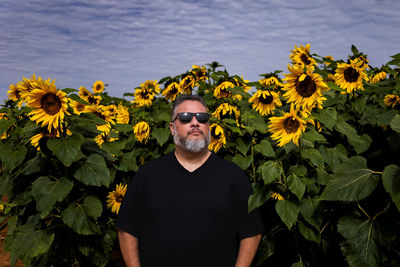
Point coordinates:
[(49, 105), (226, 110), (328, 60), (277, 196), (301, 56), (103, 137), (3, 116), (172, 91), (287, 128), (243, 83), (15, 94), (391, 100), (364, 61), (84, 93), (98, 87), (115, 197), (378, 77), (265, 102), (305, 115), (102, 114), (53, 134), (304, 89), (222, 90), (199, 72), (122, 114), (142, 131), (143, 97), (330, 78), (187, 84), (217, 137), (350, 76), (77, 107), (26, 86), (270, 81), (111, 110)]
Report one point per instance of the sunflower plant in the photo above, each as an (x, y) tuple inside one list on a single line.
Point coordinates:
[(319, 143)]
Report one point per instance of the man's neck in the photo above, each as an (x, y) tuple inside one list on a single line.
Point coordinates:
[(189, 160)]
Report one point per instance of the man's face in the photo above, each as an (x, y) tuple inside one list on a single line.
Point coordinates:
[(192, 136)]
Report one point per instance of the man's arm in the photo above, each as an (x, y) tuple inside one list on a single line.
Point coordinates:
[(247, 251), (129, 248)]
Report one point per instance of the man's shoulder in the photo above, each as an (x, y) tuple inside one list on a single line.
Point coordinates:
[(227, 165)]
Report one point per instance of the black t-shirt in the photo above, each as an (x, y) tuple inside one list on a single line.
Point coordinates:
[(184, 218)]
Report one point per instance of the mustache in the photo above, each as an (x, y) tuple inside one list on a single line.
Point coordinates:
[(195, 130)]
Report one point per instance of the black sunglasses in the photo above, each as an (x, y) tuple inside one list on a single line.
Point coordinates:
[(186, 117)]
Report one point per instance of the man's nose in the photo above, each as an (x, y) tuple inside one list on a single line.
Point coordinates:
[(194, 121)]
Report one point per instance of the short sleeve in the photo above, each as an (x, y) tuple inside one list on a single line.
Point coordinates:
[(250, 224), (130, 216)]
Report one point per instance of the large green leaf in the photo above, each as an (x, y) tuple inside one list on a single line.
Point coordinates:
[(328, 117), (80, 217), (308, 208), (67, 149), (359, 248), (296, 185), (241, 161), (266, 250), (270, 170), (161, 135), (395, 123), (309, 233), (313, 136), (94, 171), (10, 157), (391, 182), (5, 125), (352, 181), (287, 211), (28, 243), (128, 162), (265, 148), (47, 192), (333, 156), (259, 197), (314, 156), (242, 146), (360, 143)]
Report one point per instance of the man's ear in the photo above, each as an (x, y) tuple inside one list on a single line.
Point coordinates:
[(171, 128)]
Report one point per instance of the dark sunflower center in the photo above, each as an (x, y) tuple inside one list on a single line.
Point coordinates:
[(214, 134), (174, 90), (51, 104), (266, 99), (393, 99), (306, 87), (80, 107), (145, 94), (100, 115), (291, 125), (351, 75), (304, 59), (98, 87), (119, 198), (92, 100)]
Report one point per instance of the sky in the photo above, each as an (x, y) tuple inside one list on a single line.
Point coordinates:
[(126, 42)]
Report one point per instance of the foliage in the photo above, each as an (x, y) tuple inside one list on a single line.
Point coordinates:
[(326, 176)]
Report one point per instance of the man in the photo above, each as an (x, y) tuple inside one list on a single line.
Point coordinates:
[(188, 208)]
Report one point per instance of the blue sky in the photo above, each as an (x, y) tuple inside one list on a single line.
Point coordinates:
[(124, 43)]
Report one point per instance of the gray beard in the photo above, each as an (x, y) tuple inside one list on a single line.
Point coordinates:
[(190, 145)]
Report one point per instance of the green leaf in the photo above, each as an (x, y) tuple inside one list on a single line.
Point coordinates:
[(66, 149), (242, 162), (314, 156), (5, 125), (333, 156), (299, 170), (161, 135), (309, 234), (313, 136), (270, 170), (352, 181), (287, 211), (308, 208), (10, 157), (29, 243), (391, 182), (79, 216), (242, 146), (296, 185), (32, 166), (260, 195), (265, 148), (114, 147), (359, 104), (47, 192), (328, 117), (266, 250), (360, 143), (395, 123), (94, 171), (359, 248), (128, 162)]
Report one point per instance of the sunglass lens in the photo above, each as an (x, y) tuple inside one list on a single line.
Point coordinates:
[(202, 117), (185, 117)]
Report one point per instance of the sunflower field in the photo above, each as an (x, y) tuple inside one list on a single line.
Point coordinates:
[(320, 143)]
